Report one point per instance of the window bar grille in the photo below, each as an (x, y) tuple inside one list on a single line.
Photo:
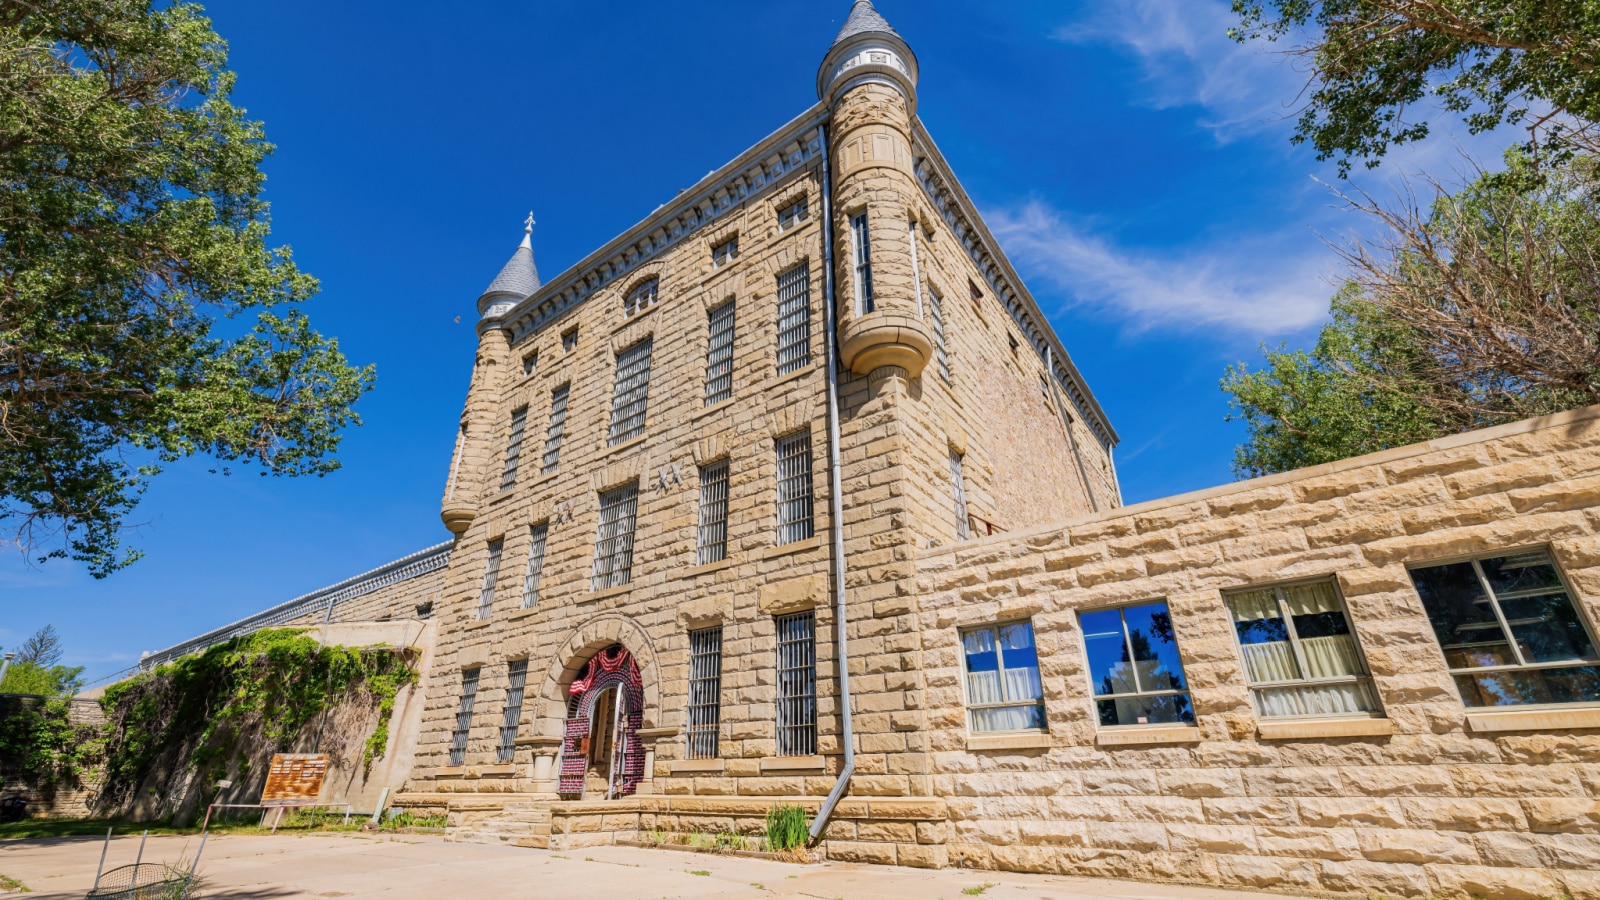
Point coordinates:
[(941, 350), (958, 485), (632, 391), (797, 684), (705, 691), (794, 319), (458, 737), (519, 422), (713, 537), (539, 536), (794, 488), (491, 574), (863, 260), (518, 673), (613, 549), (641, 298), (719, 355), (558, 427)]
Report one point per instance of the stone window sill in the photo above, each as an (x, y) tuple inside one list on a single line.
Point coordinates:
[(524, 613), (709, 568), (714, 409), (477, 623), (449, 771), (506, 493), (810, 543), (618, 591), (977, 742), (793, 764), (1302, 729), (697, 766), (540, 741), (628, 320), (1533, 719), (632, 443), (1148, 734), (796, 375)]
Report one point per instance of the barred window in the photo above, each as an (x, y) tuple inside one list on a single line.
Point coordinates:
[(1003, 688), (569, 340), (1134, 667), (958, 486), (558, 427), (519, 422), (719, 355), (1510, 632), (629, 399), (538, 537), (794, 319), (491, 574), (613, 546), (793, 214), (713, 538), (862, 249), (1299, 652), (705, 691), (529, 364), (794, 488), (641, 298), (517, 678), (724, 253), (797, 684), (458, 736), (941, 349)]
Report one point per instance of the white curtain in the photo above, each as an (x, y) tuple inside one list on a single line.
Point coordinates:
[(1004, 718), (1317, 597), (1318, 700), (1331, 656), (1270, 661)]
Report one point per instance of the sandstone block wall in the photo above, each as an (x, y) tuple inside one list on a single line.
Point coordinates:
[(1442, 805)]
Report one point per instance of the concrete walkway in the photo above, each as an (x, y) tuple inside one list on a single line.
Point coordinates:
[(261, 867)]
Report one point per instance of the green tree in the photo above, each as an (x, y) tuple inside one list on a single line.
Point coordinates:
[(1531, 62), (1481, 308), (143, 315), (42, 681)]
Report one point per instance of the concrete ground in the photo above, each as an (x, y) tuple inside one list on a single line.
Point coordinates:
[(266, 867)]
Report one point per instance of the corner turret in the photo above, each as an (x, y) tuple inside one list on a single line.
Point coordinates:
[(867, 50)]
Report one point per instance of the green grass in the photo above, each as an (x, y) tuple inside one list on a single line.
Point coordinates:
[(698, 872), (977, 889), (405, 818), (787, 828), (293, 821), (7, 883)]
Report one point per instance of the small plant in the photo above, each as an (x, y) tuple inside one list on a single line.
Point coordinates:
[(728, 840), (787, 828), (698, 872), (977, 889), (7, 883), (405, 818)]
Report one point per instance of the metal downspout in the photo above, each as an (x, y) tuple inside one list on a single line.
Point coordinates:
[(1066, 420), (835, 505)]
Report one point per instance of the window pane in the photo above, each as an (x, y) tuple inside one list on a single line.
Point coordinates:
[(1574, 684), (983, 666), (713, 533), (794, 319), (1522, 572), (1021, 662), (1009, 718), (1263, 637), (1155, 648), (1546, 628), (719, 355), (794, 488), (629, 398), (1109, 667), (1462, 617), (705, 691), (1337, 699), (1165, 709), (558, 426), (797, 687)]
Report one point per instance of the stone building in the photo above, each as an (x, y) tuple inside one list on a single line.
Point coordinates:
[(749, 507)]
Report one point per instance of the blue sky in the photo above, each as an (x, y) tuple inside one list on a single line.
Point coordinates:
[(1134, 162)]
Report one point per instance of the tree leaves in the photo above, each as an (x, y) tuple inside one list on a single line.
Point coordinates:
[(131, 228)]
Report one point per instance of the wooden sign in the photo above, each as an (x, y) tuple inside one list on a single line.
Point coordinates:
[(294, 778)]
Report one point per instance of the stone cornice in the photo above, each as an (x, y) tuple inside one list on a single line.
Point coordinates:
[(958, 211), (794, 146)]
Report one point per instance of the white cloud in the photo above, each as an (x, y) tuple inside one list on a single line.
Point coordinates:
[(1253, 290), (1188, 59)]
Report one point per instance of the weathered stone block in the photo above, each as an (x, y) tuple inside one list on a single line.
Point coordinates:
[(1500, 882), (1410, 846), (1566, 815), (1267, 872), (1330, 812), (1465, 814), (1249, 811), (1212, 838), (1369, 878)]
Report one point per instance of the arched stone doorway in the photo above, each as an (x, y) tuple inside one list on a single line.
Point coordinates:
[(605, 711)]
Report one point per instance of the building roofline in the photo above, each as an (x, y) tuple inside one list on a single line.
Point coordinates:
[(1009, 287), (722, 190), (402, 569)]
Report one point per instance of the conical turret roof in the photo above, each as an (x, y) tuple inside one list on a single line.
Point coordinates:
[(519, 276), (863, 19)]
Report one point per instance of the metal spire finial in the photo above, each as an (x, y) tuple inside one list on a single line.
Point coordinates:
[(527, 231)]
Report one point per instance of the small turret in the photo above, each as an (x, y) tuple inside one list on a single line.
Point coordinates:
[(867, 50), (517, 281)]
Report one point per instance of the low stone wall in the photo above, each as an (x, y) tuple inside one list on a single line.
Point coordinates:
[(1433, 799), (60, 800)]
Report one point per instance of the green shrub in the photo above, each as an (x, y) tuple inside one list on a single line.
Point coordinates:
[(787, 828)]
